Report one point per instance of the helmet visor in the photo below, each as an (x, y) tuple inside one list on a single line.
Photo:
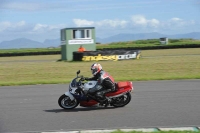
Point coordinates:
[(94, 71)]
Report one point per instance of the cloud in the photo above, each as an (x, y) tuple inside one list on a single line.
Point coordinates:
[(178, 23), (44, 28), (113, 23), (83, 22), (135, 22), (106, 27), (138, 24), (140, 20), (102, 23), (22, 29), (22, 26), (8, 26), (4, 25), (154, 23), (175, 19)]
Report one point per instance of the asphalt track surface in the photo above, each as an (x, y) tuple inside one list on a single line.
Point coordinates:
[(174, 103)]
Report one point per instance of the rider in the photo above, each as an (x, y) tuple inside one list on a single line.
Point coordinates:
[(104, 85)]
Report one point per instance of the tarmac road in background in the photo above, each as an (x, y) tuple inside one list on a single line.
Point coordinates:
[(154, 104)]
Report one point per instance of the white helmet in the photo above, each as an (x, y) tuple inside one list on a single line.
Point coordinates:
[(96, 68)]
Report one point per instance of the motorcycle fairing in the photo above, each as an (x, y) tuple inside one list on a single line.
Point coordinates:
[(69, 95), (89, 84), (121, 87), (88, 103)]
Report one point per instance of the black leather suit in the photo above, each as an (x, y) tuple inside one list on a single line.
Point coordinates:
[(104, 85)]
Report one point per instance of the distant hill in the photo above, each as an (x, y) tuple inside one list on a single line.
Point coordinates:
[(27, 43), (193, 35), (52, 42), (142, 36), (129, 37)]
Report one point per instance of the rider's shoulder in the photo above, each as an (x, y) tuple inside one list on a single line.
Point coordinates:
[(102, 72)]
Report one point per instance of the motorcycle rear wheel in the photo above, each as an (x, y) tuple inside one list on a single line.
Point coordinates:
[(122, 100), (66, 103)]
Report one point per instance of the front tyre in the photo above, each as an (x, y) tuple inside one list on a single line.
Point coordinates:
[(66, 103), (122, 100)]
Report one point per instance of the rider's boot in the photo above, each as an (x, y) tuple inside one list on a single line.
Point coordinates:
[(104, 100)]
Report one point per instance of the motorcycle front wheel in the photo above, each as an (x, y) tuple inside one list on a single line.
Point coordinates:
[(66, 103), (122, 100)]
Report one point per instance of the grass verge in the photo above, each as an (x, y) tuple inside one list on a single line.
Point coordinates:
[(21, 71)]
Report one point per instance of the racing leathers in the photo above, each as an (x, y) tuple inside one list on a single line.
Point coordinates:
[(105, 84)]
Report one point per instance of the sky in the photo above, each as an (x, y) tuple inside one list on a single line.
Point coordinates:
[(42, 19)]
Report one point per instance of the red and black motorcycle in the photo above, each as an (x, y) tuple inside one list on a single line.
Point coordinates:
[(78, 94)]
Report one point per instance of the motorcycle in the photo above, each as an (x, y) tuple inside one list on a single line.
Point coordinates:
[(78, 94)]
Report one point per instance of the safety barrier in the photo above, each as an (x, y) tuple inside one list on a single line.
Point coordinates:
[(101, 55)]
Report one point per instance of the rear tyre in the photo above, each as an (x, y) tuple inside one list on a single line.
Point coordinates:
[(66, 103), (122, 100)]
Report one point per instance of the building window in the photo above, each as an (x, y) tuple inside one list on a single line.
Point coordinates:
[(63, 35), (81, 34)]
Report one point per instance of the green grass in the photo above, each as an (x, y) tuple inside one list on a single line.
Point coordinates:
[(34, 57), (146, 43), (136, 43), (24, 50), (153, 66), (165, 52)]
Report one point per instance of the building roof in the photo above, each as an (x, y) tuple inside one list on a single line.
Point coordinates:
[(74, 28)]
